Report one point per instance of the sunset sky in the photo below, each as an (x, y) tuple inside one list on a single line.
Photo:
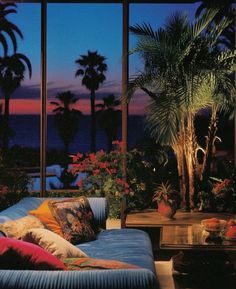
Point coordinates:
[(73, 29)]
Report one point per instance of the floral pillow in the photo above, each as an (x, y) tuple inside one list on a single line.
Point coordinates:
[(95, 264), (75, 218)]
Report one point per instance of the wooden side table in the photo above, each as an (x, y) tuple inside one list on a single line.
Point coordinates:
[(151, 222)]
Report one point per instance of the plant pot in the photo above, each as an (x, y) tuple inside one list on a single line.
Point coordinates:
[(166, 210)]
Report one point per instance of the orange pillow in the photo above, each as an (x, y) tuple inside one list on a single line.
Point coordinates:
[(44, 214)]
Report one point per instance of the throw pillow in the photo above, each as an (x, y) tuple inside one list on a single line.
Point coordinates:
[(20, 255), (53, 244), (93, 264), (76, 219), (18, 228), (44, 214)]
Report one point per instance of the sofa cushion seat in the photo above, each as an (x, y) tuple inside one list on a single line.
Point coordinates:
[(126, 245)]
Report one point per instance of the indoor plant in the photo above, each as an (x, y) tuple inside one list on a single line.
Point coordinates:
[(166, 198)]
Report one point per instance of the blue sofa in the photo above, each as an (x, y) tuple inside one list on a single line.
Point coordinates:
[(126, 245)]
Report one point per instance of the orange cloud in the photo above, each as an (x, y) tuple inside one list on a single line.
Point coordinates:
[(32, 106)]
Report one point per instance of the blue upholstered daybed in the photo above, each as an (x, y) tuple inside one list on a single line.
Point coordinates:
[(126, 245)]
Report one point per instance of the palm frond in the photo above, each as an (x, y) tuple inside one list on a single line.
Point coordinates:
[(4, 43), (162, 119), (202, 22)]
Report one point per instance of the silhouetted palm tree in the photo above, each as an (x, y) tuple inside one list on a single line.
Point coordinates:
[(12, 72), (66, 117), (7, 27), (92, 68), (109, 118)]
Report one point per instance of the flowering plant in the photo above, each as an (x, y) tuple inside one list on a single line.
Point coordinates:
[(220, 196), (104, 177), (224, 192), (104, 174)]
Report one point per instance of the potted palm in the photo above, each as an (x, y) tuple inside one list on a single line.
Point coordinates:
[(166, 199)]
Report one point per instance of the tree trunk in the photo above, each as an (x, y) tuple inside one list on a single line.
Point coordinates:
[(6, 128), (190, 152), (93, 123), (178, 149), (210, 145)]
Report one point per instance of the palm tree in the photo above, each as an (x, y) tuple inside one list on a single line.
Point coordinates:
[(225, 10), (7, 27), (184, 73), (109, 118), (12, 73), (92, 68), (66, 117)]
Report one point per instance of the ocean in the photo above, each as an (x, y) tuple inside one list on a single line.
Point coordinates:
[(26, 130)]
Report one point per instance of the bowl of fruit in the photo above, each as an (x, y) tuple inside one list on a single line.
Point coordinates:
[(215, 227), (230, 233)]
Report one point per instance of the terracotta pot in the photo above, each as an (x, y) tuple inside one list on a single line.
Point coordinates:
[(166, 210)]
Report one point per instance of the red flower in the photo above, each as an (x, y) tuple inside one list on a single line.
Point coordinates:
[(92, 157), (80, 183), (103, 165), (79, 155), (96, 172), (113, 171), (220, 186), (127, 191)]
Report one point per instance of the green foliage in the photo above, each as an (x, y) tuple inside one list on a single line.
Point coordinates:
[(219, 194), (165, 192), (13, 185), (184, 71)]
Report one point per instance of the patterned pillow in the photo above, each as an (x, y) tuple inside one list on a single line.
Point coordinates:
[(75, 218), (96, 264)]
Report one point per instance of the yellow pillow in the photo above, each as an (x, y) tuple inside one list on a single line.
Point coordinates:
[(44, 214)]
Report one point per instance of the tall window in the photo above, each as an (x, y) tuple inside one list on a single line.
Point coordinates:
[(81, 38), (20, 98)]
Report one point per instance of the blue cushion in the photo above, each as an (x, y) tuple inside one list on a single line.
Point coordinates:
[(99, 207), (94, 279), (127, 245)]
